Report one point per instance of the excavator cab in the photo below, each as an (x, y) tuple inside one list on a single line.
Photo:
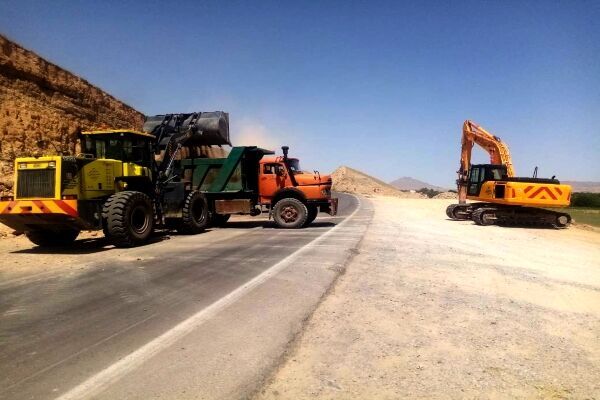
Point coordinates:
[(480, 173)]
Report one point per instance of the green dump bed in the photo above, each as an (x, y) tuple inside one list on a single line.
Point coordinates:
[(234, 174)]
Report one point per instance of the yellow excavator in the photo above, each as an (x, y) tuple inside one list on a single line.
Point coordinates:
[(501, 198)]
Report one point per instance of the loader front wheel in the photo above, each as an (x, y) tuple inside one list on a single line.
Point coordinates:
[(290, 213), (195, 215), (48, 238), (129, 218)]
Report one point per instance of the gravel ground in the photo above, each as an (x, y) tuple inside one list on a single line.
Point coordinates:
[(433, 308)]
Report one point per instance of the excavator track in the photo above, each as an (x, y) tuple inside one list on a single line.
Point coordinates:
[(494, 214)]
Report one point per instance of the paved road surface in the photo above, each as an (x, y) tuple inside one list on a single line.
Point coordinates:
[(205, 316)]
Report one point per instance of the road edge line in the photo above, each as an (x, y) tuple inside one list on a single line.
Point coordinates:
[(135, 359)]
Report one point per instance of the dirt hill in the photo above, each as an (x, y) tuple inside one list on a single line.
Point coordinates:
[(445, 195), (408, 183), (42, 106), (349, 180)]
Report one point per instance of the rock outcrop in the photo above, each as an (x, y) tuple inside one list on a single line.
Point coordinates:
[(446, 196), (349, 180), (42, 106)]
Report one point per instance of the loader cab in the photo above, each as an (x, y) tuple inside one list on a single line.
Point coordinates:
[(480, 173), (123, 145)]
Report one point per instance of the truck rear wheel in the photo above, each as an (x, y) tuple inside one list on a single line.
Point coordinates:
[(290, 213), (194, 214), (219, 219), (49, 238), (129, 218), (312, 214)]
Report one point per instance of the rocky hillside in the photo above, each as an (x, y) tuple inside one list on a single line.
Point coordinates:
[(42, 106), (349, 180)]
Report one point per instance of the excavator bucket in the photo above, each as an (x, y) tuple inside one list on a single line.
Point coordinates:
[(204, 128)]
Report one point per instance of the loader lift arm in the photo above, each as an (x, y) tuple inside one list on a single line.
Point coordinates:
[(498, 151)]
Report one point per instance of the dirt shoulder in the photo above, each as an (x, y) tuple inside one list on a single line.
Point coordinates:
[(433, 308)]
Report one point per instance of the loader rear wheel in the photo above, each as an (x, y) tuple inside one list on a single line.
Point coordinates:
[(48, 238), (290, 213), (312, 214), (484, 217), (129, 218), (195, 214)]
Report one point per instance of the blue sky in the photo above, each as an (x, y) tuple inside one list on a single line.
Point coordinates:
[(380, 86)]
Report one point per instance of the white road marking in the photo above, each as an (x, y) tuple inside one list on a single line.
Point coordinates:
[(112, 373)]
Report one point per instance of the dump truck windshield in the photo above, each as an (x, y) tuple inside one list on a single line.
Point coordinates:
[(294, 165)]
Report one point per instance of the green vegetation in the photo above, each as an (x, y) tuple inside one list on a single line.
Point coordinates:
[(585, 200), (585, 208), (429, 192)]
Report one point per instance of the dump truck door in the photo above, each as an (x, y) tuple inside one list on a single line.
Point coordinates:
[(272, 177)]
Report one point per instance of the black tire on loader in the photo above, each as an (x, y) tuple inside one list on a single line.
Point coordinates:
[(290, 213), (219, 219), (129, 218), (49, 238), (312, 214), (195, 214)]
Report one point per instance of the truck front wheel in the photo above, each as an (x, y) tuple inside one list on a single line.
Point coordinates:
[(312, 214), (195, 216), (48, 238), (129, 218), (290, 213)]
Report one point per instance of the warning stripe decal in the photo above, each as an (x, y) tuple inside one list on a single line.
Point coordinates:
[(528, 188), (40, 205), (543, 190), (8, 208), (68, 207)]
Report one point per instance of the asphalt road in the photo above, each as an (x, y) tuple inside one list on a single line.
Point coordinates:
[(204, 316)]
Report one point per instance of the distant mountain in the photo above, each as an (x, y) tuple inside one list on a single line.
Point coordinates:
[(580, 186), (408, 183)]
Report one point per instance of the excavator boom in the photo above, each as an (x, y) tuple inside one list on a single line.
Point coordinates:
[(498, 151)]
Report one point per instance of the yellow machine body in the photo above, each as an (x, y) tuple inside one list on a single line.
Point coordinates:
[(58, 191), (524, 194)]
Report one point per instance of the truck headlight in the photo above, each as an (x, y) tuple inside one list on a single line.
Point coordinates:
[(52, 164), (22, 165)]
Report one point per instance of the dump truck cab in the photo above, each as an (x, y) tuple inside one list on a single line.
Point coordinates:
[(278, 178), (290, 193)]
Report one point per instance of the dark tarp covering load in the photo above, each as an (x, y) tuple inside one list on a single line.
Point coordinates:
[(206, 128)]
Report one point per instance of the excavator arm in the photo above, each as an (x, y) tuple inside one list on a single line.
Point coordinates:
[(498, 151)]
